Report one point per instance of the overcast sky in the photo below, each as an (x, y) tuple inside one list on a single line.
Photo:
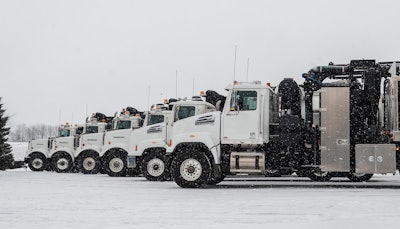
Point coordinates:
[(104, 55)]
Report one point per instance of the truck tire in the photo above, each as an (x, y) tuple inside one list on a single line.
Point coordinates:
[(272, 173), (61, 162), (359, 177), (216, 179), (37, 162), (89, 163), (318, 175), (116, 165), (156, 167), (191, 169)]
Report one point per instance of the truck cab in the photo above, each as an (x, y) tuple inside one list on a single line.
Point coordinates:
[(90, 143), (63, 148), (40, 151), (242, 128), (147, 145)]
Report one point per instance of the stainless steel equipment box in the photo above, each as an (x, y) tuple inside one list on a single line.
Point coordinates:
[(335, 129), (375, 158)]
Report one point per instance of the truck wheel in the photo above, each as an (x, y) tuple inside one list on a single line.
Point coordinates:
[(216, 179), (359, 177), (61, 162), (89, 163), (303, 172), (318, 175), (37, 162), (155, 167), (191, 169), (272, 173), (116, 165)]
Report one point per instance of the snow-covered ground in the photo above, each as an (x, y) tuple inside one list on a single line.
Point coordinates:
[(51, 200), (19, 150)]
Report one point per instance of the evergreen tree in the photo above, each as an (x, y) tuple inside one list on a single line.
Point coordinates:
[(6, 158)]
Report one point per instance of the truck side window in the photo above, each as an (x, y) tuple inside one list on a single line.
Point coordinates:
[(245, 100), (123, 124), (184, 112), (154, 119), (92, 129), (64, 132)]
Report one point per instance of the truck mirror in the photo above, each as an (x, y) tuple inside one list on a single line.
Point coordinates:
[(79, 130)]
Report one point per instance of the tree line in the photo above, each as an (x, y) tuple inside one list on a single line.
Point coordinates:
[(24, 133)]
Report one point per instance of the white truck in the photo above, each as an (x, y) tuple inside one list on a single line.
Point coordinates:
[(116, 141), (89, 153), (61, 155), (39, 152), (146, 146), (318, 129)]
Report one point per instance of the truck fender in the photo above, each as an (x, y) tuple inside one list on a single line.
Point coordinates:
[(80, 150), (45, 153), (63, 149), (197, 137), (144, 145), (113, 146)]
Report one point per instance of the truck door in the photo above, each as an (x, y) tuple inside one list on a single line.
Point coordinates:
[(181, 112), (241, 119)]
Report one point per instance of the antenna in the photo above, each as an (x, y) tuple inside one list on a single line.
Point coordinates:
[(247, 76), (86, 111), (59, 118), (176, 84), (234, 65), (193, 88), (148, 98)]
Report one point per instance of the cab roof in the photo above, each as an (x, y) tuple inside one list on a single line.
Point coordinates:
[(190, 102), (248, 85)]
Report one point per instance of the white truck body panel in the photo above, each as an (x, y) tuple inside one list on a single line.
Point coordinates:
[(65, 144), (92, 142), (147, 137), (38, 145), (204, 128), (116, 139)]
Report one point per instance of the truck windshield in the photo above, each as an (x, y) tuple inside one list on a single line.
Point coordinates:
[(154, 119), (123, 124), (64, 132), (184, 112), (92, 129)]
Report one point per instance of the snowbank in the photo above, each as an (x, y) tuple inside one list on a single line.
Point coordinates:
[(19, 150)]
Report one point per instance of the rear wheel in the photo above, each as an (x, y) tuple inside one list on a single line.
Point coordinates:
[(61, 162), (37, 162), (359, 177), (89, 163), (116, 165), (318, 175), (272, 173), (156, 167), (191, 169)]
